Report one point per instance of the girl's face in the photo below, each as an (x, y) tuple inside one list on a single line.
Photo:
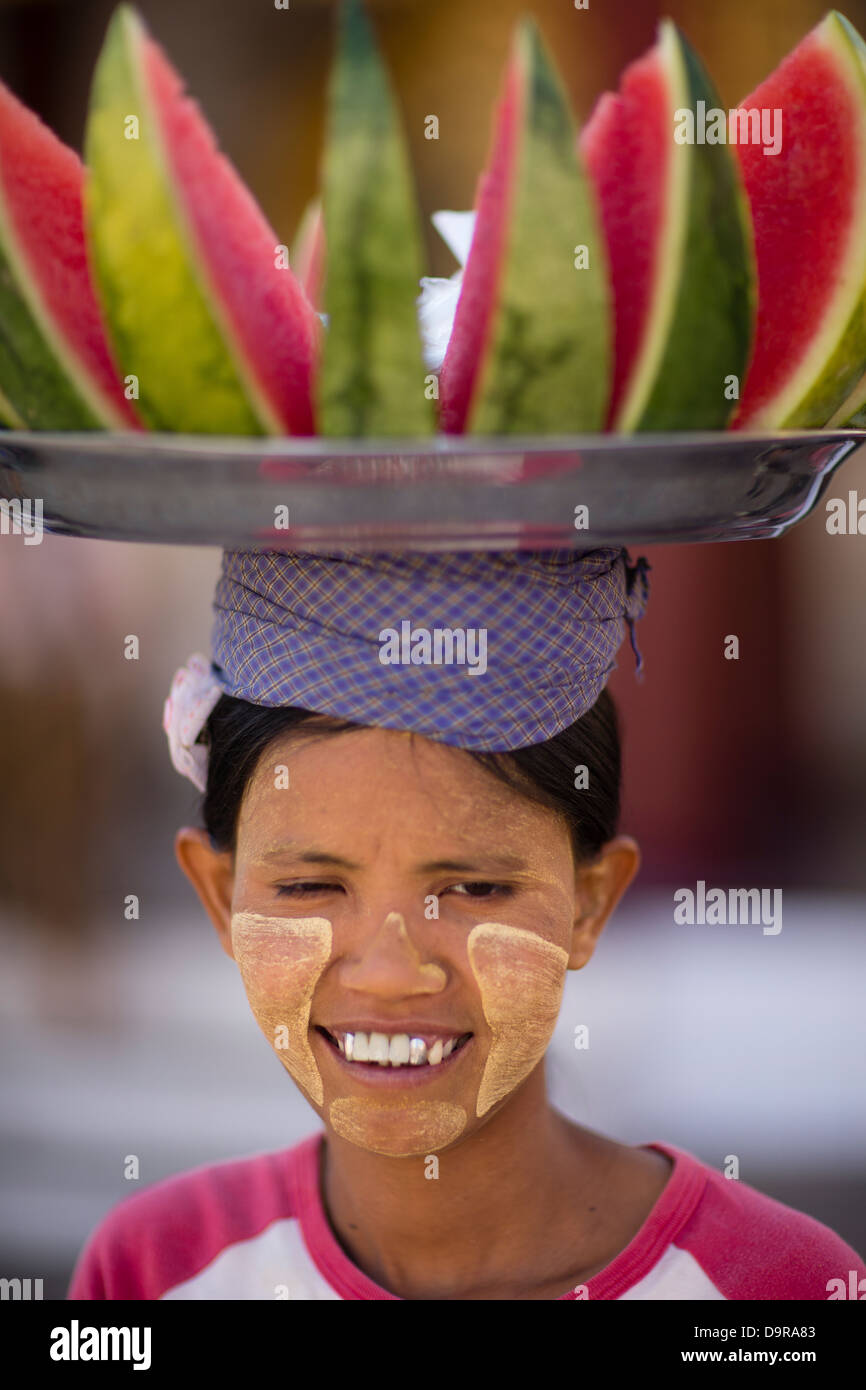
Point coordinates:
[(387, 885)]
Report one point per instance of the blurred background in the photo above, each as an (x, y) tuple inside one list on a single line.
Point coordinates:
[(127, 1037)]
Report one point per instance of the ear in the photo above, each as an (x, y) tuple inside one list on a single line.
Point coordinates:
[(211, 873), (598, 888)]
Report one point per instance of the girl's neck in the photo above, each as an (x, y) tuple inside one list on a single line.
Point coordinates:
[(521, 1209)]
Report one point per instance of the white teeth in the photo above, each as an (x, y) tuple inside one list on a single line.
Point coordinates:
[(398, 1050), (378, 1049)]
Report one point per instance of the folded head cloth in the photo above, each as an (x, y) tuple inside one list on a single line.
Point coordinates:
[(483, 650)]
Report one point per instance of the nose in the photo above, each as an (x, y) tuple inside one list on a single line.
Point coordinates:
[(390, 966)]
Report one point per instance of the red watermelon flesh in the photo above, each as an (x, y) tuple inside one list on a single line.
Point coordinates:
[(807, 212), (42, 181), (626, 146), (475, 308), (274, 325)]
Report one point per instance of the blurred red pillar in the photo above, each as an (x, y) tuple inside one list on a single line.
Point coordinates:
[(704, 736)]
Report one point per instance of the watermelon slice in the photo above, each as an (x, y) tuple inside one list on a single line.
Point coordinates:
[(529, 350), (679, 240), (308, 255), (809, 211), (372, 379), (56, 370), (200, 302)]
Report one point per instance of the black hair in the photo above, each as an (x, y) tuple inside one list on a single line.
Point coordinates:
[(577, 773)]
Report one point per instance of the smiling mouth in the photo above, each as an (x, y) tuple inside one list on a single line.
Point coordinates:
[(401, 1051)]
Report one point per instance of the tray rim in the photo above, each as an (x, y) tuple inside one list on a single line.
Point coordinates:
[(103, 441), (73, 459)]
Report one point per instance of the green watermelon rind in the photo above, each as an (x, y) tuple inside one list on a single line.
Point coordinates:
[(161, 315), (851, 414), (704, 301), (852, 410), (547, 367), (43, 385), (372, 377)]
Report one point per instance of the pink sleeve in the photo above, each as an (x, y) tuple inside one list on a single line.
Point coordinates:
[(753, 1247), (168, 1233), (146, 1244)]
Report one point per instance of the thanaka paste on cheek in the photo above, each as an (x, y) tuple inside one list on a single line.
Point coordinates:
[(281, 960), (397, 1129), (521, 978)]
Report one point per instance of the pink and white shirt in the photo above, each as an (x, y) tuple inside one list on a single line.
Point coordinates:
[(255, 1228)]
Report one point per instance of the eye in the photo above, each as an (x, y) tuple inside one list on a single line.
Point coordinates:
[(297, 890), (487, 888)]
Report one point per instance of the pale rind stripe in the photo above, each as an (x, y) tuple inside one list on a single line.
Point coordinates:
[(10, 415), (850, 407), (838, 320), (669, 248)]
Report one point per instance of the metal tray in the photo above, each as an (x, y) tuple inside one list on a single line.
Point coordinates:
[(443, 493)]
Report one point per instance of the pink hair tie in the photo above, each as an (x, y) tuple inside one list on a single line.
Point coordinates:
[(194, 692)]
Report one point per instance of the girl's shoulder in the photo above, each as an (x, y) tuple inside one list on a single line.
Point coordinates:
[(717, 1237), (160, 1239)]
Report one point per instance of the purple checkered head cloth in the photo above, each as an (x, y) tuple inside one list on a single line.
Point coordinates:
[(485, 650)]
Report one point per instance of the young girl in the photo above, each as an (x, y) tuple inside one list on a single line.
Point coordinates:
[(404, 856)]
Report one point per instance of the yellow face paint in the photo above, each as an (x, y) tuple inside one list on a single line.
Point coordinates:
[(281, 960), (397, 1128), (393, 940), (521, 978)]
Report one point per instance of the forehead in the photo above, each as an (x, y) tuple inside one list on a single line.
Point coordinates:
[(375, 781)]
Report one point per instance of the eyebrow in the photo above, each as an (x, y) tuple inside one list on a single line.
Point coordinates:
[(460, 866), (507, 862), (309, 856)]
